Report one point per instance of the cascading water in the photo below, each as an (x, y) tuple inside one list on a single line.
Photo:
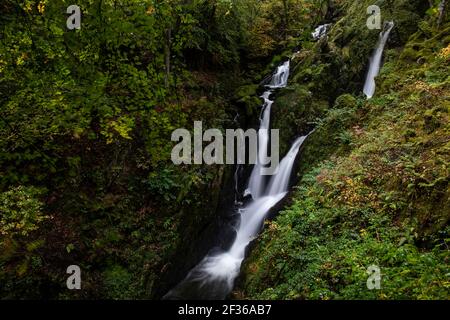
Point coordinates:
[(279, 80), (320, 31), (280, 182), (281, 76), (375, 60), (213, 277), (256, 181)]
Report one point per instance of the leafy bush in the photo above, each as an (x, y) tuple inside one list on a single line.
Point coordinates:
[(21, 211)]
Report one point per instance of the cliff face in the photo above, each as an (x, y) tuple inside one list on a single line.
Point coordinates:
[(373, 177)]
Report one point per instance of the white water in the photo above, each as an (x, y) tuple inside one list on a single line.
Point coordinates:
[(375, 61), (213, 277), (280, 78), (320, 31), (280, 182), (256, 181)]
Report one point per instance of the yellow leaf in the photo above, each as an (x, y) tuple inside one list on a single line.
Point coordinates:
[(41, 7), (150, 10)]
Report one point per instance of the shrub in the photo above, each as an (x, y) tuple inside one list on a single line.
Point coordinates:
[(21, 211)]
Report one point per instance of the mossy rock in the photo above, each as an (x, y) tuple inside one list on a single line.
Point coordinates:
[(323, 142), (247, 98), (294, 112), (346, 101), (247, 90), (251, 105)]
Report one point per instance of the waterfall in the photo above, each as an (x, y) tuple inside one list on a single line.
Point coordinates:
[(253, 215), (213, 277), (280, 182), (256, 181), (320, 31), (279, 80), (375, 60)]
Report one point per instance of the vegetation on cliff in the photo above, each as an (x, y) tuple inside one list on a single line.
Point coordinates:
[(374, 187)]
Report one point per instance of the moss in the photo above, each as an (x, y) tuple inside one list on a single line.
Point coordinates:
[(431, 120), (246, 91), (247, 99), (294, 113), (251, 105), (117, 283), (409, 133), (323, 142), (425, 28), (346, 101), (409, 54)]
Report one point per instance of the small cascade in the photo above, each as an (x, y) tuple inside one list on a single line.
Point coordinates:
[(321, 31), (280, 78), (375, 60), (280, 182)]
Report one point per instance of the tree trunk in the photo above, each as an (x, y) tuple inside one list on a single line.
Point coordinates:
[(442, 7)]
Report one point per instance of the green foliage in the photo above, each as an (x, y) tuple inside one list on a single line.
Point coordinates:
[(346, 101), (21, 211), (319, 250), (22, 220), (162, 183), (118, 283)]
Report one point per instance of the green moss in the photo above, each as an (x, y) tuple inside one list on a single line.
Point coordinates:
[(346, 101), (118, 283), (251, 105), (247, 99), (294, 113), (324, 141), (246, 91)]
